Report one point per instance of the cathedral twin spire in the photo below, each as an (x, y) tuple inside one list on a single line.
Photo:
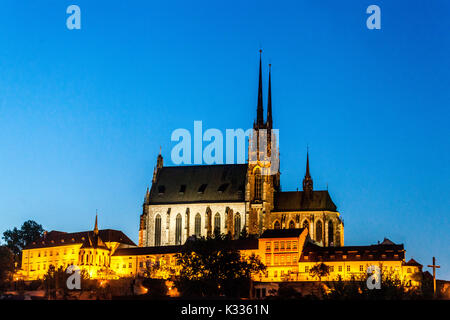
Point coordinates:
[(259, 124)]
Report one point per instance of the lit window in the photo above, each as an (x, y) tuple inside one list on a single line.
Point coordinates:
[(294, 245), (268, 259), (288, 245), (268, 246), (276, 246), (282, 245)]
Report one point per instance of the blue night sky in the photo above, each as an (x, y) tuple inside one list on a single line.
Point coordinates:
[(83, 112)]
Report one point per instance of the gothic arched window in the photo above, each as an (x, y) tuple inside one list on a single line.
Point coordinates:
[(158, 230), (277, 225), (237, 225), (217, 223), (198, 225), (306, 224), (292, 224), (319, 231), (330, 233), (178, 229), (258, 184)]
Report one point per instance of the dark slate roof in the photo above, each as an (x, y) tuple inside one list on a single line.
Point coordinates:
[(297, 201), (58, 238), (230, 177), (94, 241), (317, 253), (282, 233)]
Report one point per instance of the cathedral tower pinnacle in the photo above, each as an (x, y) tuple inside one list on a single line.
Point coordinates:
[(307, 181)]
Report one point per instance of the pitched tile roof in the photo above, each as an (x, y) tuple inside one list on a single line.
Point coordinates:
[(282, 233), (376, 252)]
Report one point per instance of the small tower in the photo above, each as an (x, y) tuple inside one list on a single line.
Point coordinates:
[(307, 181), (159, 165)]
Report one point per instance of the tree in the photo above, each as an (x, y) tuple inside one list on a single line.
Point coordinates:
[(319, 271), (6, 266), (17, 239), (213, 267)]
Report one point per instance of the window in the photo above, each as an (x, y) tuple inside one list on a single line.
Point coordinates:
[(198, 225), (294, 259), (306, 224), (161, 190), (202, 189), (277, 225), (268, 246), (275, 246), (292, 224), (306, 268), (39, 254), (268, 260), (158, 230), (129, 265), (361, 268), (331, 268), (288, 245), (294, 245), (276, 260), (258, 184), (288, 259), (217, 223), (319, 231), (222, 188), (178, 230), (275, 274), (182, 189), (408, 270), (282, 260), (330, 233), (340, 268), (281, 245), (237, 225), (348, 268)]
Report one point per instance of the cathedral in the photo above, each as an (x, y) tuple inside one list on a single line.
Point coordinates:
[(236, 199)]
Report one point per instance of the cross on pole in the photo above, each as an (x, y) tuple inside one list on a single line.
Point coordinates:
[(434, 266)]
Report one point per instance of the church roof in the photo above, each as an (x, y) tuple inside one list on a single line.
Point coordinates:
[(94, 241), (299, 201), (203, 183), (58, 238)]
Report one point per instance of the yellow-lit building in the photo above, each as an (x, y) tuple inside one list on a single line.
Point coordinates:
[(89, 250)]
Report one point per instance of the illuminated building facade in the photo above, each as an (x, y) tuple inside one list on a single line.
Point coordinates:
[(195, 200)]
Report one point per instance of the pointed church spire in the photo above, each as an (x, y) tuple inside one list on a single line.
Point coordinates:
[(307, 181), (269, 102), (96, 224), (259, 109)]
